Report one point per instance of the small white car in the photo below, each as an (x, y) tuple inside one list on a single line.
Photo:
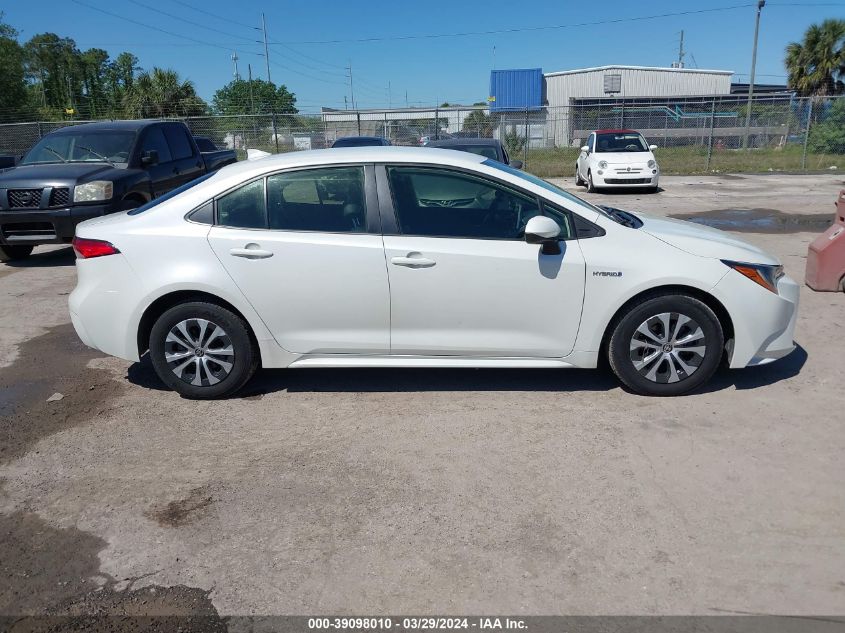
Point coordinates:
[(617, 158), (417, 257)]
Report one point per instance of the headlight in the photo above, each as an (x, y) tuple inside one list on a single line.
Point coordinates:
[(602, 164), (762, 274), (93, 191), (652, 164)]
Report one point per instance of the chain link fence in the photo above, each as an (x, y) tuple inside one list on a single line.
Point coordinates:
[(693, 136)]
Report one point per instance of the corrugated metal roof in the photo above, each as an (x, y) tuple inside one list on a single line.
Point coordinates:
[(516, 89), (623, 67)]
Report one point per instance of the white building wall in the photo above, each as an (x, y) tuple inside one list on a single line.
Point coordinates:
[(562, 87)]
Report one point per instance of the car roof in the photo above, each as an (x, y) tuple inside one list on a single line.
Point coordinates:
[(117, 126), (359, 138), (464, 142), (617, 131)]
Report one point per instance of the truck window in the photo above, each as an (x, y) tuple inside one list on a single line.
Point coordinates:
[(177, 139), (154, 140)]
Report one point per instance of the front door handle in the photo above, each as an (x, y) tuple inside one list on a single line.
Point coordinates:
[(251, 251), (413, 260)]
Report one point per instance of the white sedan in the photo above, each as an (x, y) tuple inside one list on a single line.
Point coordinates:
[(617, 158), (410, 257)]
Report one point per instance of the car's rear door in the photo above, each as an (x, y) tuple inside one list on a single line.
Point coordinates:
[(305, 248), (463, 281)]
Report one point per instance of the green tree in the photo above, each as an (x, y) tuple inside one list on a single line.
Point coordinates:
[(256, 97), (13, 92), (161, 93), (480, 122), (816, 65), (829, 137)]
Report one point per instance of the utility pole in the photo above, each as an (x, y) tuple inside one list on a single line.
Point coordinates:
[(235, 62), (351, 85), (406, 100), (760, 5), (389, 97), (266, 51), (251, 100), (681, 51)]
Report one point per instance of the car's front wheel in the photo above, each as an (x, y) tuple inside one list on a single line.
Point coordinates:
[(591, 188), (578, 180), (666, 345), (14, 253), (202, 350)]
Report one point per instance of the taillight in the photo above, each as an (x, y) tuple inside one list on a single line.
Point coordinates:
[(86, 249)]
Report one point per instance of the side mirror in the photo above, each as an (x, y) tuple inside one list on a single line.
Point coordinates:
[(150, 158), (543, 230), (585, 148), (516, 164), (652, 147)]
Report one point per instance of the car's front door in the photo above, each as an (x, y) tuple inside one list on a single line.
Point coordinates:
[(309, 259), (463, 281), (162, 178), (584, 157)]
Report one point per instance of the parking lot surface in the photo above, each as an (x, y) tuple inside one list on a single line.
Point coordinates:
[(430, 491)]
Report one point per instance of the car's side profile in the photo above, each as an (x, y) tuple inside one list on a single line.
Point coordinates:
[(617, 158), (404, 257)]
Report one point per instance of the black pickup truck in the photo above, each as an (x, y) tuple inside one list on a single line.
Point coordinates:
[(84, 171)]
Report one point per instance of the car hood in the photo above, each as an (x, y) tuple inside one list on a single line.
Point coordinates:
[(704, 241), (43, 174), (625, 158)]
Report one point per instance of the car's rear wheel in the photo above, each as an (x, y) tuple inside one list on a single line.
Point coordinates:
[(202, 350), (666, 345), (14, 253)]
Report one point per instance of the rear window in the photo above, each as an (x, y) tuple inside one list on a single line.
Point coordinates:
[(170, 194)]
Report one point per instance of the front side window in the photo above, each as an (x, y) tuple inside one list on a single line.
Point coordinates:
[(444, 203), (621, 142), (591, 142), (330, 199), (244, 207), (154, 141)]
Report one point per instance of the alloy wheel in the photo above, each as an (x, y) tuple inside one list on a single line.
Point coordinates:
[(668, 347)]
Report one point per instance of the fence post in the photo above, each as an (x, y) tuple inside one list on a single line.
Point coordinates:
[(710, 140), (525, 149), (807, 135), (358, 119), (275, 131)]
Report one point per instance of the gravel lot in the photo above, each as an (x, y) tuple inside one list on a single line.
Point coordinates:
[(411, 491)]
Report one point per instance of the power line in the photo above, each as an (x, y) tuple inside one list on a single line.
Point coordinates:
[(218, 17), (527, 28), (192, 23), (160, 30)]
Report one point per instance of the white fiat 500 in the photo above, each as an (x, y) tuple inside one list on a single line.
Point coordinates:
[(617, 158), (411, 257)]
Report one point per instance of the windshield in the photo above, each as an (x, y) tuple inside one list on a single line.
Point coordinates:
[(171, 194), (545, 184), (83, 147), (621, 142)]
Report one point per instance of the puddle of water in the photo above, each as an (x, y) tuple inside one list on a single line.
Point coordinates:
[(759, 220)]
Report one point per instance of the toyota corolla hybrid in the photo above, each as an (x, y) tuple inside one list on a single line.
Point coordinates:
[(617, 158), (411, 257)]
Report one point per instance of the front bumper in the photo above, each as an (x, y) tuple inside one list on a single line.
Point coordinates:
[(764, 322), (611, 179), (47, 226)]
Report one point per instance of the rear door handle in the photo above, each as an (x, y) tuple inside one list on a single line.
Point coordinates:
[(252, 251), (413, 262)]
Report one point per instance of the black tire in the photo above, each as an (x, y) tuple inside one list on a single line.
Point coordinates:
[(629, 346), (579, 182), (14, 253), (235, 343), (591, 188)]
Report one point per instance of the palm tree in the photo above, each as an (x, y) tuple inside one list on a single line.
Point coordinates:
[(160, 93), (816, 66)]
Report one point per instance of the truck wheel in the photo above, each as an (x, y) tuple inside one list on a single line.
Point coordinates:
[(14, 253)]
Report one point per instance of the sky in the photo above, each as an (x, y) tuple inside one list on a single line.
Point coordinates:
[(310, 48)]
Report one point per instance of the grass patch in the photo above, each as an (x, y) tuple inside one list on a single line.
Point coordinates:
[(558, 162)]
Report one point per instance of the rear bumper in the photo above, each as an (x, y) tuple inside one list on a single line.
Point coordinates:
[(47, 226)]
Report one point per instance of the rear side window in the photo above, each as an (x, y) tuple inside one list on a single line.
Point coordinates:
[(177, 139), (330, 199), (154, 141), (244, 207)]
